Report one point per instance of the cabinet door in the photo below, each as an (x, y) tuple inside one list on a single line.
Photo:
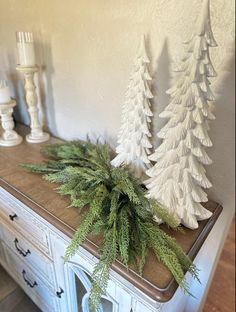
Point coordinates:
[(81, 282), (74, 277)]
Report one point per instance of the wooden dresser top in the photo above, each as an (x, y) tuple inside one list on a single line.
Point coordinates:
[(156, 282)]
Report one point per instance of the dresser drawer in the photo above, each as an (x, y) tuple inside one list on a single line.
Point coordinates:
[(24, 221), (32, 284), (30, 255)]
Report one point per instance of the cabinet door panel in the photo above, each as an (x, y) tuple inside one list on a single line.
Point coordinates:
[(83, 287)]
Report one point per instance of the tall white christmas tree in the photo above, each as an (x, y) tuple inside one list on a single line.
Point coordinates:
[(133, 139), (178, 177)]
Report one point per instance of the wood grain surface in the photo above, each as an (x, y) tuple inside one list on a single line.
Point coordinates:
[(41, 196)]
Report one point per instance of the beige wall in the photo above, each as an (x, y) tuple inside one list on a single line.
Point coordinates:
[(86, 49)]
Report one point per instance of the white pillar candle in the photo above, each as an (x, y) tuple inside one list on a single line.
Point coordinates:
[(25, 46), (4, 92)]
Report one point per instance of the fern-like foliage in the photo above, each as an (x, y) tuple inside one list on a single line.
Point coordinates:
[(118, 209)]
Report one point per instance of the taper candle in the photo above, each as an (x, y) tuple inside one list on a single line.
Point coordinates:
[(25, 45), (4, 92)]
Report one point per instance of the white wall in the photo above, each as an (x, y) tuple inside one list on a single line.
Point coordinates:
[(86, 51)]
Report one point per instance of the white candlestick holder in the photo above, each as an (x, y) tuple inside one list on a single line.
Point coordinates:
[(36, 135), (9, 136)]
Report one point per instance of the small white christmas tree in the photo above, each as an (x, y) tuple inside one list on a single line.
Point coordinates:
[(178, 177), (133, 139)]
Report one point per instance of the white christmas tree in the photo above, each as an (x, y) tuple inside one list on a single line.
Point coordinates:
[(178, 176), (133, 139)]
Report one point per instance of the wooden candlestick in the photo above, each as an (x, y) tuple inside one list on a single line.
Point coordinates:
[(9, 136), (36, 135)]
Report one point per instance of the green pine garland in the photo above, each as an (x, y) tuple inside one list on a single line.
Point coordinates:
[(118, 209)]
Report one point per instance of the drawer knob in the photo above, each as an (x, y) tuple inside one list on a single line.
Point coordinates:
[(31, 285), (59, 293), (20, 251), (12, 217)]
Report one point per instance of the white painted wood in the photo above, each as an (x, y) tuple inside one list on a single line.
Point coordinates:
[(9, 136), (77, 267), (178, 177), (26, 221), (40, 293), (2, 256), (85, 280), (119, 290), (1, 234), (63, 278), (36, 135), (138, 306), (29, 254)]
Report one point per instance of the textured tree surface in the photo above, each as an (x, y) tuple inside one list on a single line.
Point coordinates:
[(133, 139), (178, 177)]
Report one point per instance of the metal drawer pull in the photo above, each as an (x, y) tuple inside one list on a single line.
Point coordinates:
[(20, 251), (12, 217), (28, 282), (59, 293)]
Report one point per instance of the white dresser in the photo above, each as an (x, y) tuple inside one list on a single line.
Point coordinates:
[(32, 250), (25, 252), (36, 226)]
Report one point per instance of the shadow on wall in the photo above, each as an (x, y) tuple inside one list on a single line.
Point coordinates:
[(221, 172), (45, 77), (17, 79), (161, 83)]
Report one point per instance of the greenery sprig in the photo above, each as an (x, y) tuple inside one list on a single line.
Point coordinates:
[(117, 208)]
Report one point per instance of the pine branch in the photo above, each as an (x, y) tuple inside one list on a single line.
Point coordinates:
[(124, 237), (118, 209), (124, 184), (85, 227), (100, 276), (41, 168), (164, 215)]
